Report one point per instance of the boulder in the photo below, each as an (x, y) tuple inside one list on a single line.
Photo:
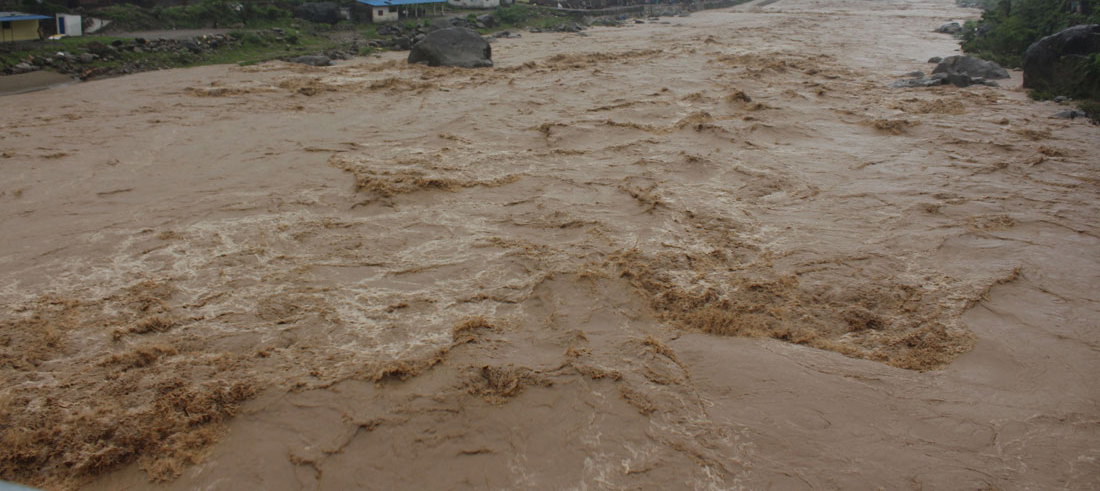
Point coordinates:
[(935, 59), (326, 12), (312, 60), (1059, 63), (191, 45), (402, 43), (390, 30), (951, 28), (455, 46), (24, 68), (487, 20), (1070, 114), (971, 67)]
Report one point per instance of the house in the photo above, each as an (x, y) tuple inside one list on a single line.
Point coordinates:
[(70, 25), (391, 10), (17, 26), (476, 4)]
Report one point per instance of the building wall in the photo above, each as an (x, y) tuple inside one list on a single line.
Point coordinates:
[(73, 25), (475, 4), (20, 30), (383, 14)]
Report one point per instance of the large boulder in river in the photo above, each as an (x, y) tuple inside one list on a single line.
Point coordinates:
[(970, 67), (456, 46), (326, 12), (1059, 63)]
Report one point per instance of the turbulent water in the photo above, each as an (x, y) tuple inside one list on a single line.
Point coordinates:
[(712, 253)]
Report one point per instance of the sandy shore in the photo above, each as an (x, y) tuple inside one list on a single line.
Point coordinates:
[(718, 253)]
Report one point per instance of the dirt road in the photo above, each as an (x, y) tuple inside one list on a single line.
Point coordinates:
[(718, 253)]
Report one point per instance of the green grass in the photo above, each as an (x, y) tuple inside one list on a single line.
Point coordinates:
[(249, 47)]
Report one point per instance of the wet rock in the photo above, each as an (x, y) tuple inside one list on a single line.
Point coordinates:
[(1069, 114), (312, 60), (935, 59), (906, 83), (487, 20), (390, 30), (324, 12), (99, 49), (190, 45), (404, 43), (23, 68), (916, 74), (950, 28), (1059, 63), (453, 47), (970, 66)]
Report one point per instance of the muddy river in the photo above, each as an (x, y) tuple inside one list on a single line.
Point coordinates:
[(715, 253)]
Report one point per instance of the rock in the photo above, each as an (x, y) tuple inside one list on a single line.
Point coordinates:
[(326, 12), (970, 67), (487, 20), (1059, 63), (404, 43), (916, 74), (438, 24), (390, 30), (906, 83), (86, 58), (1060, 99), (312, 60), (99, 49), (951, 28), (959, 79), (191, 45), (639, 21), (455, 46), (24, 68), (935, 59), (1069, 114)]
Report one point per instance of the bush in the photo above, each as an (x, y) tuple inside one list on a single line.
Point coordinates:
[(1008, 27), (207, 13), (1091, 108), (515, 14)]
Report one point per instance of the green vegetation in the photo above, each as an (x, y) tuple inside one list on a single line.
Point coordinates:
[(520, 16), (206, 13), (247, 47), (1008, 27)]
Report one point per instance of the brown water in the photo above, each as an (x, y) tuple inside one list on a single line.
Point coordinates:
[(717, 253)]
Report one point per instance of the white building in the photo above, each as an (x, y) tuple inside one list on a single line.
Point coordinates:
[(391, 10), (474, 4)]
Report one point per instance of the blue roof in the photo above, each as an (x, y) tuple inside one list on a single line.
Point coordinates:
[(387, 3), (11, 16)]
